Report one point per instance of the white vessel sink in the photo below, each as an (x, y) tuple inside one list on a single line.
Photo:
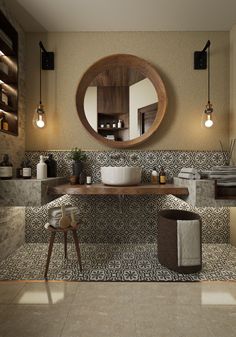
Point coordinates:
[(121, 175)]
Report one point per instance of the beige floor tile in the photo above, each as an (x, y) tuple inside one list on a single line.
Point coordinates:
[(218, 293), (177, 320), (221, 320), (9, 290), (95, 294), (47, 293), (168, 293), (104, 320), (114, 309), (33, 320)]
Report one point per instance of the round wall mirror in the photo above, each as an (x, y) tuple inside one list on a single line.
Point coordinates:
[(121, 100)]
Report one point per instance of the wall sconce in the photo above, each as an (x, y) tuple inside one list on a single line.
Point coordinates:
[(46, 63), (201, 59)]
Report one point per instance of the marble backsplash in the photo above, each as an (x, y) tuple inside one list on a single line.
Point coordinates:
[(128, 219)]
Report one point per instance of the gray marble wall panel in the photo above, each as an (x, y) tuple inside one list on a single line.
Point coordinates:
[(129, 219), (12, 229), (27, 192), (202, 193)]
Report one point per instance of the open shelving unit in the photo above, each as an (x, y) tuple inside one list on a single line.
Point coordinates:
[(8, 76), (113, 105)]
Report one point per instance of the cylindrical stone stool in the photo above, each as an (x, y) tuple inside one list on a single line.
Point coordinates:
[(180, 240)]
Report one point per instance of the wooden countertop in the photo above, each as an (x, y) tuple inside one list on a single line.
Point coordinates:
[(96, 189)]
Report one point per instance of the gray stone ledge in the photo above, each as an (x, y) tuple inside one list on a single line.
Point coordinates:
[(27, 192), (202, 193)]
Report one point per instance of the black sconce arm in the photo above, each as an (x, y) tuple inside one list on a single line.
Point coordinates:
[(47, 58)]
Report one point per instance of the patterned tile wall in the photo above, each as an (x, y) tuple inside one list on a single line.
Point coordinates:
[(129, 219)]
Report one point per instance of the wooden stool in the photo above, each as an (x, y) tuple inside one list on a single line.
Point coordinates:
[(52, 238)]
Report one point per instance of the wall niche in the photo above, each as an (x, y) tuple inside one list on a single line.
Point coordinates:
[(8, 77)]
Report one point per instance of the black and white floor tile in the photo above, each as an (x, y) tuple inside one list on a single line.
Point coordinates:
[(109, 262)]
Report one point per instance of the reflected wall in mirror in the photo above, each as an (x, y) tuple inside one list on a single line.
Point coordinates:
[(121, 100)]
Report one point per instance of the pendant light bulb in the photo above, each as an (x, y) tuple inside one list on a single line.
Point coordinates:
[(39, 120), (208, 115)]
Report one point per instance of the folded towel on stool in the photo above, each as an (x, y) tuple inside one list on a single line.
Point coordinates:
[(55, 214), (188, 241)]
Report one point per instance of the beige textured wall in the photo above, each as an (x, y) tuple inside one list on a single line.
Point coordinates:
[(232, 114), (170, 52), (232, 120)]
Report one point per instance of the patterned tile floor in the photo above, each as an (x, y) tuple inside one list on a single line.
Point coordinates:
[(113, 263)]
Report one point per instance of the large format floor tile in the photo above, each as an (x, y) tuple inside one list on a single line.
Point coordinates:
[(118, 309)]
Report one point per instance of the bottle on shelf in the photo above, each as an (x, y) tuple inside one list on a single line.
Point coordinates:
[(19, 171), (120, 124), (114, 124), (162, 176), (154, 176), (1, 120), (51, 166), (88, 180), (5, 125), (108, 125), (41, 169), (6, 171), (4, 97), (26, 169)]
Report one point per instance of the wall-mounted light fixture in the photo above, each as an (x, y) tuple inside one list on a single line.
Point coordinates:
[(46, 63), (202, 61)]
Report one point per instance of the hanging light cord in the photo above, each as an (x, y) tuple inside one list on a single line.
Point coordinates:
[(40, 92), (208, 59)]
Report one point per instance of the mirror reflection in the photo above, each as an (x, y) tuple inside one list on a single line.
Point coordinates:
[(120, 103)]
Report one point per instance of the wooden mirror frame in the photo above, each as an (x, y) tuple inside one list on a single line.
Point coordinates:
[(145, 68)]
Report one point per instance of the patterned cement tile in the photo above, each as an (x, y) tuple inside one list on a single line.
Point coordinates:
[(132, 219), (107, 262)]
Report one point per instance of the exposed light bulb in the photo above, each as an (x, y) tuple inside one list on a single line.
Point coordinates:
[(208, 115), (39, 120), (209, 122)]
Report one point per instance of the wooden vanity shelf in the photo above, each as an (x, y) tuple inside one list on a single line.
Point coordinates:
[(8, 77), (101, 189)]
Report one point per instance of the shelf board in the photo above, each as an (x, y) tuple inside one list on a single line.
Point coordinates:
[(112, 129), (7, 79), (7, 108), (113, 113), (9, 132), (7, 51)]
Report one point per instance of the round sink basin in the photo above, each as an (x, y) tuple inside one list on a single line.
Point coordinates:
[(121, 175)]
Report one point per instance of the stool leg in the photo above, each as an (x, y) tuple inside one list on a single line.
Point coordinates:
[(77, 248), (65, 244), (49, 252)]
